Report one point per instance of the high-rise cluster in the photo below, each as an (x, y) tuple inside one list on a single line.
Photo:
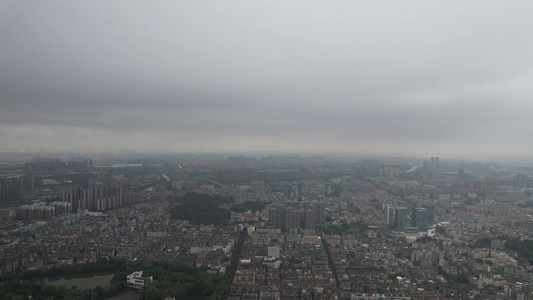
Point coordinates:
[(11, 188), (397, 218), (99, 198), (251, 174), (295, 215)]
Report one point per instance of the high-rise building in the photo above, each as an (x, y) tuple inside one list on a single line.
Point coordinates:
[(435, 166), (78, 165), (400, 220), (45, 165), (420, 218), (520, 180), (295, 214), (431, 213), (99, 198), (390, 215), (369, 166)]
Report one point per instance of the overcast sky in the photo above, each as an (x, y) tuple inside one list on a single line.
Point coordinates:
[(406, 77)]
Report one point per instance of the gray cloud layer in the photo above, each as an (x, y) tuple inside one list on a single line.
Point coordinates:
[(360, 76)]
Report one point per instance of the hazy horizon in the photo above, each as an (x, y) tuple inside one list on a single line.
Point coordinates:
[(385, 78)]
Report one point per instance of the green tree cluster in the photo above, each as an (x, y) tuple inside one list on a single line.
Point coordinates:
[(170, 279), (483, 242), (252, 206), (178, 280), (16, 288), (461, 278), (524, 248), (202, 209), (102, 264), (444, 274), (331, 263)]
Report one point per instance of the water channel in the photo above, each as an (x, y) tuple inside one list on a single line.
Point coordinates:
[(103, 279), (90, 281)]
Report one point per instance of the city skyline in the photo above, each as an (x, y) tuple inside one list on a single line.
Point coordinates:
[(440, 78)]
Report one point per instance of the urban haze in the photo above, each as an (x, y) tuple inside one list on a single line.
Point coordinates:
[(439, 77), (257, 150)]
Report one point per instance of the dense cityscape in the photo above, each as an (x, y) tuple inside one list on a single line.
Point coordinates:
[(266, 150), (275, 226)]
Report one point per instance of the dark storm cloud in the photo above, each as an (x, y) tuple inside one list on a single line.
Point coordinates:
[(345, 76)]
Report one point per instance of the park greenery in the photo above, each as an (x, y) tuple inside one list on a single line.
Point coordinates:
[(179, 280), (483, 243), (252, 206), (201, 209), (23, 285), (170, 279), (524, 248)]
